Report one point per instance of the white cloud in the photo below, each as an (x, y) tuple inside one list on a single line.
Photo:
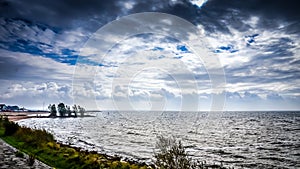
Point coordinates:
[(37, 68), (35, 95)]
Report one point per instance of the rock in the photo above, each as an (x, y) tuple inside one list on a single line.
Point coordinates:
[(5, 166), (15, 159)]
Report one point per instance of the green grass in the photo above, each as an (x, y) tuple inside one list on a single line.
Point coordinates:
[(42, 145)]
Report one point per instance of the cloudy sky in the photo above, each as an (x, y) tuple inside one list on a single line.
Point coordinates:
[(235, 55)]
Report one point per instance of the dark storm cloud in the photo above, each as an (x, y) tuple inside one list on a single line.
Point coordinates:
[(181, 8), (63, 14), (216, 15)]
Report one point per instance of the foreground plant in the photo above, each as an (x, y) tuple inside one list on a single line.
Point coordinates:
[(31, 160), (171, 154), (19, 154)]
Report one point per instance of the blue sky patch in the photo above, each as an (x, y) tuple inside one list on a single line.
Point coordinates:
[(182, 48), (226, 49), (158, 49), (251, 39), (177, 57), (33, 48)]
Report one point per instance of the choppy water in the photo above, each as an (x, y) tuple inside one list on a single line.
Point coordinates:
[(237, 139)]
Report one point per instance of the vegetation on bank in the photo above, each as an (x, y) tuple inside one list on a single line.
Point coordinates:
[(41, 145), (169, 154)]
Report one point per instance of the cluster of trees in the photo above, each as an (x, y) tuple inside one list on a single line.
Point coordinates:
[(65, 110)]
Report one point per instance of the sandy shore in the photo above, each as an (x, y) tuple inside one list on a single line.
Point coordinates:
[(15, 116)]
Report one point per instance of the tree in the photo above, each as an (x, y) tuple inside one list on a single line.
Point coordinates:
[(75, 110), (65, 110), (61, 109), (81, 111), (52, 109), (69, 112)]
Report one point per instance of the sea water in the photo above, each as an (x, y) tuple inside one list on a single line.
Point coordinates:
[(237, 139)]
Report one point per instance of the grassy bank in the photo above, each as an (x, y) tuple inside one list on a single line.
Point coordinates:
[(41, 145)]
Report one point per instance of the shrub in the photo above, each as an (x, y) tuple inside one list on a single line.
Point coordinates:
[(171, 154), (10, 127), (33, 136), (19, 154), (31, 160)]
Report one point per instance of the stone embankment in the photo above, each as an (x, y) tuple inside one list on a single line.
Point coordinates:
[(9, 160)]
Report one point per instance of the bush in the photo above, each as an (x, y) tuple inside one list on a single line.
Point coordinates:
[(34, 137), (31, 160), (171, 154), (10, 127), (19, 154)]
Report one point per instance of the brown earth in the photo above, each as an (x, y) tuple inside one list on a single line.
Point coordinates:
[(15, 116)]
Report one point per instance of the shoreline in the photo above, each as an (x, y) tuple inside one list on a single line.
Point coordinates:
[(109, 155), (16, 116), (59, 155), (106, 158)]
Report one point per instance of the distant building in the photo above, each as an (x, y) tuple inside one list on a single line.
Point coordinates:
[(2, 107), (23, 109), (13, 108)]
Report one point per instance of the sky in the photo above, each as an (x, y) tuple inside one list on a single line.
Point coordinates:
[(185, 55)]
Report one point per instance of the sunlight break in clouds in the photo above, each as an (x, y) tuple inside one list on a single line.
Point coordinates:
[(162, 63), (199, 3)]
